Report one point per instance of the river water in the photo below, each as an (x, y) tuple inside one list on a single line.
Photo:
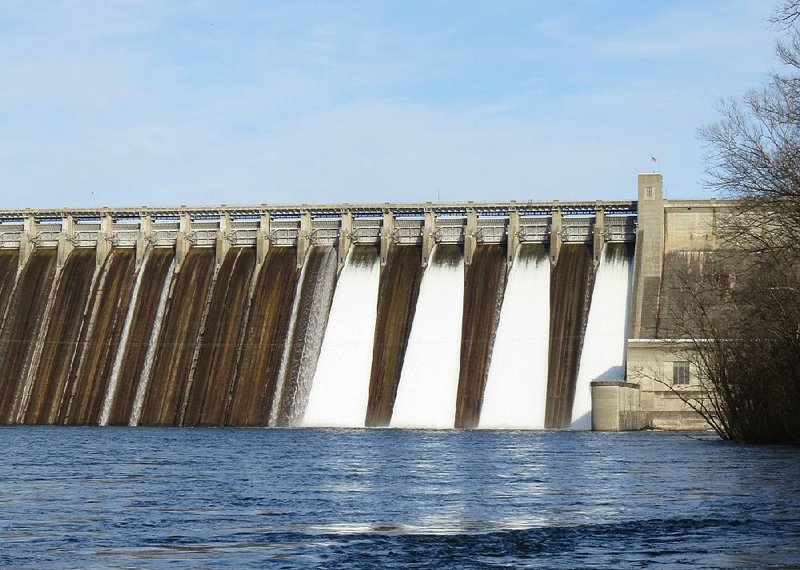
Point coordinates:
[(141, 497)]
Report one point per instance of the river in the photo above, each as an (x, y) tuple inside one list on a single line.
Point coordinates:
[(238, 498)]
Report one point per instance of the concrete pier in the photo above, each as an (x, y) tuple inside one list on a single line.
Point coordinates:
[(649, 257)]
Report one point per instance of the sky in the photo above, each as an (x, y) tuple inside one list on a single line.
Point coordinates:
[(191, 102)]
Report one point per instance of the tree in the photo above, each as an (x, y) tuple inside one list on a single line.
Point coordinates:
[(743, 316)]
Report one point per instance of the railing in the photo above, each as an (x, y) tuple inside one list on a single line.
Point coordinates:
[(284, 233), (449, 230), (366, 231), (125, 237), (577, 230), (323, 225), (407, 232), (534, 230), (295, 211), (620, 228), (10, 235), (491, 230), (324, 232), (46, 235)]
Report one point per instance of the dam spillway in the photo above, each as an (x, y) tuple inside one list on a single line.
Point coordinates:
[(409, 315)]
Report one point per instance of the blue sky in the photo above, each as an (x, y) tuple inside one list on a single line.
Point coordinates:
[(317, 101)]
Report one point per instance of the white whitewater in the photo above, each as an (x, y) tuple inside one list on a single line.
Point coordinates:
[(141, 389), (322, 290), (113, 381), (603, 355), (426, 394), (340, 389), (516, 387)]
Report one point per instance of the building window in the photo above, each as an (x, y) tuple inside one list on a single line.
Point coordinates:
[(680, 373), (649, 193)]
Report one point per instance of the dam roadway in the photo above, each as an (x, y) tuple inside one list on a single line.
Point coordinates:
[(335, 315)]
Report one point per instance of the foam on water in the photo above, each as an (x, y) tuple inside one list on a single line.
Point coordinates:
[(603, 355), (340, 389), (426, 395), (516, 388)]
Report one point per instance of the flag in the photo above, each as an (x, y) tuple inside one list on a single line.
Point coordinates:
[(653, 159)]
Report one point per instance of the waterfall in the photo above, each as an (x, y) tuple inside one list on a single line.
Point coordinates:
[(426, 395), (340, 389), (113, 380), (141, 389), (603, 356), (516, 390), (306, 330), (286, 357)]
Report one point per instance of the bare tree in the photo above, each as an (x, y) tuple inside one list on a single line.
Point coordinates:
[(740, 316), (787, 13), (746, 338)]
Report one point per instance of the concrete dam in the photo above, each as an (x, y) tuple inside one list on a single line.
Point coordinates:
[(469, 315)]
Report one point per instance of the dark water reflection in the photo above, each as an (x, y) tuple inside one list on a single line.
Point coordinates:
[(86, 497)]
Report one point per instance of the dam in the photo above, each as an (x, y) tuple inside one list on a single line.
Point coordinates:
[(431, 315)]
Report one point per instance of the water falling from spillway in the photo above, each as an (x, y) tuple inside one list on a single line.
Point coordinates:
[(144, 380), (306, 328), (603, 355), (113, 381), (426, 395), (155, 278), (265, 336), (516, 389), (340, 389)]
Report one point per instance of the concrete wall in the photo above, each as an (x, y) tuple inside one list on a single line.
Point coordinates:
[(664, 228), (650, 365)]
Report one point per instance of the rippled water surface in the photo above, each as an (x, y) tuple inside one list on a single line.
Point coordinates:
[(91, 497)]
